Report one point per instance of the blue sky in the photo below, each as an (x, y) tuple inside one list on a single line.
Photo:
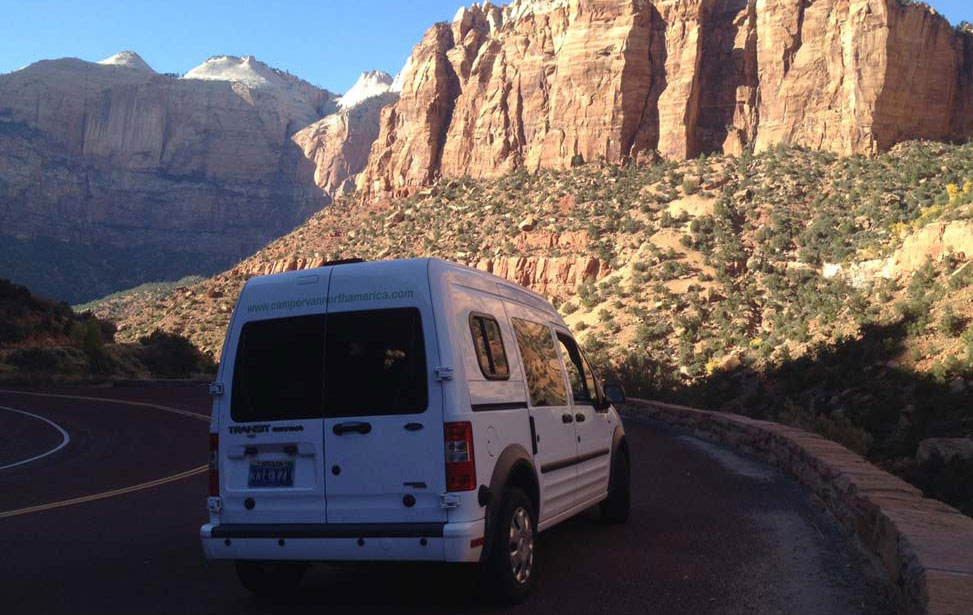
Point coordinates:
[(327, 42)]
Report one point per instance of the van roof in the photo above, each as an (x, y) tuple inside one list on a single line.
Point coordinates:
[(412, 266)]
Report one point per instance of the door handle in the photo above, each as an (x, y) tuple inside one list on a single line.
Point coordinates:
[(566, 418), (357, 426), (413, 426), (579, 417)]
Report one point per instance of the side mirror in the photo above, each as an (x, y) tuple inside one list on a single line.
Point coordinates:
[(614, 392)]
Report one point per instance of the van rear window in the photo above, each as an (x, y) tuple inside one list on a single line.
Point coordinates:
[(278, 374), (375, 363), (344, 364)]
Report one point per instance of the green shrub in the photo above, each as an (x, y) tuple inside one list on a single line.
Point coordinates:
[(950, 481), (93, 346), (644, 377), (588, 295), (961, 278), (37, 359), (836, 427), (168, 355), (950, 324)]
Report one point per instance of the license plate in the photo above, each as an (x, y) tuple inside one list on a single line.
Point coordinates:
[(271, 474)]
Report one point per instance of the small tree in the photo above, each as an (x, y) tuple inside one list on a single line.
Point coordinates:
[(93, 346)]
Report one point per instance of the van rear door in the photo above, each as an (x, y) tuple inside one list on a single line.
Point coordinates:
[(271, 442), (383, 427)]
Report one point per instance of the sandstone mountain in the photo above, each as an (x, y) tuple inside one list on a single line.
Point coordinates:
[(338, 145), (541, 83), (112, 174)]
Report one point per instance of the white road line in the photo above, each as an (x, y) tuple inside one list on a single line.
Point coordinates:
[(113, 492), (65, 438)]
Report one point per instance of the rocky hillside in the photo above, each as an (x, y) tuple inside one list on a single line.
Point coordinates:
[(112, 174), (542, 83), (43, 340), (830, 292)]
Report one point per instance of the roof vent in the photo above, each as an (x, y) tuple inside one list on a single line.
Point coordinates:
[(343, 261)]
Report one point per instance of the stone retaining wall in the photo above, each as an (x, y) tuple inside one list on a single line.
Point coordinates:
[(924, 546)]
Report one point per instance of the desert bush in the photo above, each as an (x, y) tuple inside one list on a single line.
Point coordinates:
[(950, 481), (588, 295), (690, 185), (35, 359), (168, 355), (950, 324), (836, 427), (961, 278), (93, 345), (643, 376)]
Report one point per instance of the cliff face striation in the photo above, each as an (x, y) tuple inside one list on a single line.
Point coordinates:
[(112, 174), (542, 83), (338, 145)]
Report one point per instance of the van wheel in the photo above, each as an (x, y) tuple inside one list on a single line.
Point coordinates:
[(615, 508), (270, 578), (509, 571)]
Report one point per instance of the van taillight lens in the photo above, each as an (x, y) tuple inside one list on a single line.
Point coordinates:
[(460, 466), (214, 465)]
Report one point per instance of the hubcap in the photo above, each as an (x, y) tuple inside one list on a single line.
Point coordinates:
[(521, 545)]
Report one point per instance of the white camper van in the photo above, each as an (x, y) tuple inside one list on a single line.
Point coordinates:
[(403, 410)]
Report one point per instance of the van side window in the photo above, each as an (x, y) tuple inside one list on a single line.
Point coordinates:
[(542, 367), (375, 363), (580, 388), (594, 387), (279, 369), (490, 353)]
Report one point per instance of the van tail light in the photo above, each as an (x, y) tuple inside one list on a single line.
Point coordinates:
[(460, 466), (214, 465)]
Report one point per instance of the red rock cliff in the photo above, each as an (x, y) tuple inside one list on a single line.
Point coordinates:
[(539, 82)]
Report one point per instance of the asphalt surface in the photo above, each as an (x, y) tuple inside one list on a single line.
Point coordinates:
[(711, 531)]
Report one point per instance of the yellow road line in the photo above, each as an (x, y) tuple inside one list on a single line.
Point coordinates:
[(105, 494), (114, 492), (194, 415)]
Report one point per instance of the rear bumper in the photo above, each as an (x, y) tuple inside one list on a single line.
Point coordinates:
[(445, 542)]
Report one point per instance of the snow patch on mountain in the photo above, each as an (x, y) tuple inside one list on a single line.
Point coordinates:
[(252, 79), (400, 78), (128, 59), (246, 70), (370, 84)]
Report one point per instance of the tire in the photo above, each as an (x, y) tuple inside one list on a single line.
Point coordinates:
[(270, 578), (615, 509), (509, 572)]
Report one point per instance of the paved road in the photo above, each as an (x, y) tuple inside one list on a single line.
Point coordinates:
[(711, 531)]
